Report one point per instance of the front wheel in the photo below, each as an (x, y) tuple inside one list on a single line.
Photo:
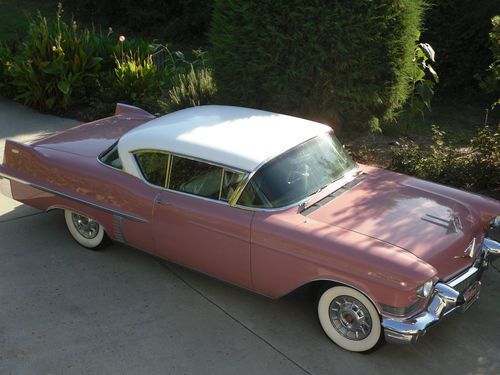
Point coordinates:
[(349, 319), (87, 232)]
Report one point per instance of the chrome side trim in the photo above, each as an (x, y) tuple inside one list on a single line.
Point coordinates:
[(118, 231), (79, 200)]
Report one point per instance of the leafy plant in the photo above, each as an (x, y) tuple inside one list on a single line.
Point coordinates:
[(459, 29), (5, 64), (136, 80), (423, 77), (197, 87), (475, 168), (56, 61), (491, 81)]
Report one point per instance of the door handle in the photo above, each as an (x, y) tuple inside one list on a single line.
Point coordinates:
[(159, 200)]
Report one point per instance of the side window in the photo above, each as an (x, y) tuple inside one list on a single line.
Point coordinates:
[(230, 182), (111, 157), (253, 197), (153, 166), (195, 177)]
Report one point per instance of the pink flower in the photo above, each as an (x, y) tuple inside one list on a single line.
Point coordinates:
[(121, 38)]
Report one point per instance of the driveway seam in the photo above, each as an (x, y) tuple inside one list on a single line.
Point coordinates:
[(215, 304)]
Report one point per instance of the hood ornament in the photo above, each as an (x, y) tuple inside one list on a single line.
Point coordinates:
[(469, 251), (455, 224)]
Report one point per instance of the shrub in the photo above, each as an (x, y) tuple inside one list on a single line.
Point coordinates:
[(60, 66), (134, 80), (458, 30), (423, 78), (5, 64), (491, 81), (324, 60), (477, 168), (56, 61), (197, 87)]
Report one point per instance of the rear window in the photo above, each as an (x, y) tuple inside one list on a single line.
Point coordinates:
[(110, 157)]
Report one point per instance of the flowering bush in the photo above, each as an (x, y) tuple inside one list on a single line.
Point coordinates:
[(56, 61)]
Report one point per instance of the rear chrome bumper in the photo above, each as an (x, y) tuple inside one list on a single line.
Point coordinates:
[(448, 298)]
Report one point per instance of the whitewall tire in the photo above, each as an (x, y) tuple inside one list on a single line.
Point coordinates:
[(349, 319), (87, 232)]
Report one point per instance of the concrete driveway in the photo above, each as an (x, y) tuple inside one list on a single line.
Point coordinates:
[(68, 310)]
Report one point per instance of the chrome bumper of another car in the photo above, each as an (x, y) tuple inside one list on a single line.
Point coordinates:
[(448, 298)]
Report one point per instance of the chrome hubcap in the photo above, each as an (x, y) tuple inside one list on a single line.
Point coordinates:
[(88, 228), (350, 318)]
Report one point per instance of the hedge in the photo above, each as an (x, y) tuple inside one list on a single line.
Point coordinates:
[(346, 60)]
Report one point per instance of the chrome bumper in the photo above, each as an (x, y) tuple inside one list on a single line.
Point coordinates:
[(455, 296)]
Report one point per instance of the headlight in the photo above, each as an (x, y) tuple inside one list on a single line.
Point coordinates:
[(424, 290), (494, 231)]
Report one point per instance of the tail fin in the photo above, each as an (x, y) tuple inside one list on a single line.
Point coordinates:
[(19, 156), (130, 110)]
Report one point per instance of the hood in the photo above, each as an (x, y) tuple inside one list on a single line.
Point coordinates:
[(389, 207)]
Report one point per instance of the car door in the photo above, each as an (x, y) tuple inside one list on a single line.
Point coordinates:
[(194, 225)]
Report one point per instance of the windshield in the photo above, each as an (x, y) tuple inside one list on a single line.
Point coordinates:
[(297, 173)]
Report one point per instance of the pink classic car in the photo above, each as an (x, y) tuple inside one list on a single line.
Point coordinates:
[(270, 203)]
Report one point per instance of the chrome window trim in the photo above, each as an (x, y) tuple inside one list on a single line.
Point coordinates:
[(169, 170), (138, 167), (169, 173), (232, 201), (110, 166), (221, 182), (226, 166)]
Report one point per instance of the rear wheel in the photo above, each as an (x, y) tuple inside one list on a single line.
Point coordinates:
[(87, 232), (349, 319)]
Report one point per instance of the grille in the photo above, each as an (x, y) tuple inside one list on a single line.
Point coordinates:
[(461, 285)]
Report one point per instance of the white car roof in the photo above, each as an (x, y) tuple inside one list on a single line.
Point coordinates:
[(237, 137)]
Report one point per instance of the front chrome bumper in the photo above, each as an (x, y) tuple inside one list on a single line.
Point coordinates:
[(448, 298)]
